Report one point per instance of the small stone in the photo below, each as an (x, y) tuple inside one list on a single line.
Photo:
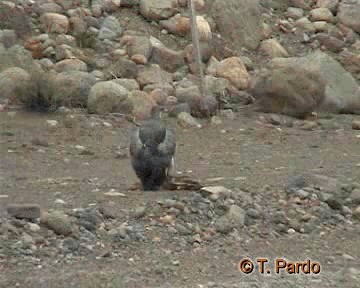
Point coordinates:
[(309, 125), (185, 120), (139, 212), (356, 125), (60, 201), (33, 227), (291, 231), (216, 120), (58, 222), (24, 211), (348, 257), (52, 123)]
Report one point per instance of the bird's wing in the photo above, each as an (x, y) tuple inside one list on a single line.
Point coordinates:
[(168, 146), (135, 142)]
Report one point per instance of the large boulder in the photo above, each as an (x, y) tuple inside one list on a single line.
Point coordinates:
[(300, 85), (238, 22), (348, 14), (153, 74), (233, 70), (55, 23), (16, 85), (72, 88), (107, 97)]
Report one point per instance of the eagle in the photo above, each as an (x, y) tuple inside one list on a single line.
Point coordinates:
[(152, 150)]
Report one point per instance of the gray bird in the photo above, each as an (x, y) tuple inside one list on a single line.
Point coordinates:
[(152, 150)]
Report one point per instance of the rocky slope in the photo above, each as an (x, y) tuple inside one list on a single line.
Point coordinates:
[(126, 56)]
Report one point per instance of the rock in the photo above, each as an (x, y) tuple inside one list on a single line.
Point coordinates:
[(70, 65), (159, 96), (122, 68), (305, 24), (48, 8), (303, 4), (24, 211), (321, 14), (58, 222), (234, 218), (273, 48), (294, 13), (216, 86), (129, 84), (185, 120), (33, 227), (356, 213), (191, 96), (283, 91), (107, 97), (8, 37), (153, 74), (178, 108), (71, 88), (157, 9), (355, 196), (215, 192), (205, 50), (332, 5), (331, 43), (129, 3), (55, 23), (348, 14), (17, 86), (179, 25), (309, 125), (78, 25), (138, 45), (164, 87), (319, 71), (63, 52), (142, 104), (351, 62), (238, 22), (110, 29), (235, 71), (139, 59), (355, 124), (109, 6), (167, 58), (139, 212)]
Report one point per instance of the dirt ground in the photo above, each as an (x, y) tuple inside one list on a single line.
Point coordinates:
[(39, 165)]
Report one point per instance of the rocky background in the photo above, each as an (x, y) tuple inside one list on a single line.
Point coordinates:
[(89, 63)]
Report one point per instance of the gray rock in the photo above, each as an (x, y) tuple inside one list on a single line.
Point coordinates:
[(17, 85), (58, 222), (71, 88), (239, 22), (106, 97), (129, 84), (322, 74), (348, 14), (234, 218), (24, 211), (157, 9), (122, 68), (185, 120)]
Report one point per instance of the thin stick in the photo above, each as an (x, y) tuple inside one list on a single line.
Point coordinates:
[(196, 45)]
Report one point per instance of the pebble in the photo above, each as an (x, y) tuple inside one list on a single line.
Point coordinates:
[(291, 231)]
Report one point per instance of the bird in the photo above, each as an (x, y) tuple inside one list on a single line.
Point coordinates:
[(152, 150)]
